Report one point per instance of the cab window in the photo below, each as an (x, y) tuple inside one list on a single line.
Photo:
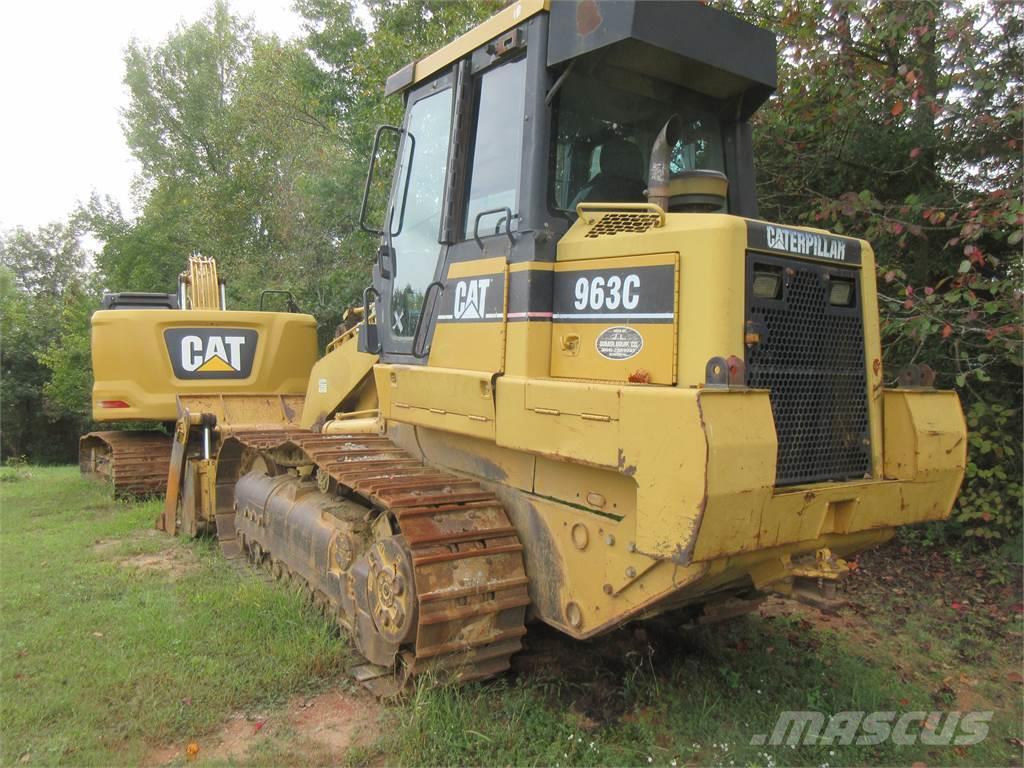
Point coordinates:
[(416, 215), (496, 160), (606, 121)]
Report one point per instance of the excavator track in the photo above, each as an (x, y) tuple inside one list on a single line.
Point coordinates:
[(134, 462), (466, 615)]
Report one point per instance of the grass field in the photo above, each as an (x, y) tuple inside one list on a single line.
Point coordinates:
[(120, 646)]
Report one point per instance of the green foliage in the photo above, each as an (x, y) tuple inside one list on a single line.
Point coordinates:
[(44, 294), (902, 124), (68, 390), (989, 505)]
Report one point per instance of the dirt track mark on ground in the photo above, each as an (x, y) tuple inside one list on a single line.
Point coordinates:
[(322, 727), (172, 562)]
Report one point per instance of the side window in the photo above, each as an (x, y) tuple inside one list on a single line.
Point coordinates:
[(497, 145), (416, 216)]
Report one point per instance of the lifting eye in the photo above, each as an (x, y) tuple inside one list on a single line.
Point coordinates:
[(767, 283), (840, 293)]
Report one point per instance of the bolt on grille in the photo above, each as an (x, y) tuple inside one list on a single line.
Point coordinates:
[(809, 354)]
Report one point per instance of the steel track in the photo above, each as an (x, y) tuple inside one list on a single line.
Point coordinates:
[(134, 462), (471, 585)]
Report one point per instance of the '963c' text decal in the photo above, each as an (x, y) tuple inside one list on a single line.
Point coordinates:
[(640, 294), (211, 353)]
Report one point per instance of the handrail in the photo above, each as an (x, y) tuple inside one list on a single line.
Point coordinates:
[(508, 224)]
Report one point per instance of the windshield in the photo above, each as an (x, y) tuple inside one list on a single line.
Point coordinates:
[(605, 124)]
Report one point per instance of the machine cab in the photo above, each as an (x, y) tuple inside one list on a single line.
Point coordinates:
[(543, 107)]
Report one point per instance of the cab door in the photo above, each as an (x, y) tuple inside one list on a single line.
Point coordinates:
[(414, 219), (452, 240)]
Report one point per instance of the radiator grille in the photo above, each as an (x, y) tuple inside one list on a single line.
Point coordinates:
[(811, 358)]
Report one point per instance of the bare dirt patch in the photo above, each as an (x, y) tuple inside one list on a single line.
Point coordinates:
[(171, 563), (321, 728), (112, 546), (843, 621)]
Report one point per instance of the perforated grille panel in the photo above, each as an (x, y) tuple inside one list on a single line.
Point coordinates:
[(613, 223), (810, 357)]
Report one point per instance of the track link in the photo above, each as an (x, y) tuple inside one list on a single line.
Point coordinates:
[(467, 561), (134, 462)]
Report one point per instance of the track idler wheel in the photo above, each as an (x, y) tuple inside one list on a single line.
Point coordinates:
[(386, 606)]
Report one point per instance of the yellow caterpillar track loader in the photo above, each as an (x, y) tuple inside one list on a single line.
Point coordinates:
[(590, 386), (146, 350)]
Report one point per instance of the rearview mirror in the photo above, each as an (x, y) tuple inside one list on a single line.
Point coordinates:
[(383, 158)]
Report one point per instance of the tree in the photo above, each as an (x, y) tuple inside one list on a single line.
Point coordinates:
[(901, 123), (180, 95), (45, 301)]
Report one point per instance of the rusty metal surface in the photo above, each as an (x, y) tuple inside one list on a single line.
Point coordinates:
[(469, 585), (135, 463)]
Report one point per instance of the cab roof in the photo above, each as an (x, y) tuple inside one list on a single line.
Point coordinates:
[(688, 43)]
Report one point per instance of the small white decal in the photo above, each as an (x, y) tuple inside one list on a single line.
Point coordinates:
[(321, 386), (619, 343)]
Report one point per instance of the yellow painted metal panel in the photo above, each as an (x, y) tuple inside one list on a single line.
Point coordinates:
[(601, 491), (335, 378), (742, 449), (710, 311), (585, 349), (472, 345), (479, 35), (131, 358), (451, 400), (528, 348), (663, 447), (925, 433), (578, 398), (481, 458), (541, 427), (243, 410)]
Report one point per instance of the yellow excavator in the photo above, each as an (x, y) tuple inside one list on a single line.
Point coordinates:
[(590, 384), (146, 350)]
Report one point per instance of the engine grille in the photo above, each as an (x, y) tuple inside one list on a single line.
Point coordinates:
[(811, 359), (614, 223)]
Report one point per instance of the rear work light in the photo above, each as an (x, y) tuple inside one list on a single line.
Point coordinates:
[(767, 283), (114, 404), (841, 293)]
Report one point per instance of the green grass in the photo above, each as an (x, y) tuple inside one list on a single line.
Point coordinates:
[(100, 663), (699, 707)]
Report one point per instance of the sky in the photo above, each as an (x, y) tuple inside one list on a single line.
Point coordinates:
[(61, 66)]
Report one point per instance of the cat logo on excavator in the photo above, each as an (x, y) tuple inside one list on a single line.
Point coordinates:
[(198, 353)]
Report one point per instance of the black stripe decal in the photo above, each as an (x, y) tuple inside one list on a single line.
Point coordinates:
[(529, 295), (631, 294)]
